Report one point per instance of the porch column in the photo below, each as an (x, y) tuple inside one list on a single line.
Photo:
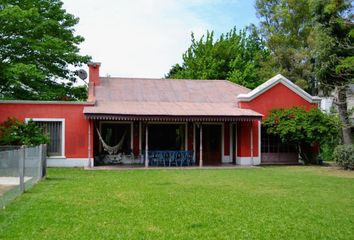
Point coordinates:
[(146, 146), (259, 140), (251, 137), (201, 145)]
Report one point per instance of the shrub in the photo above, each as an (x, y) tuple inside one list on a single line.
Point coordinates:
[(344, 156), (15, 132), (308, 129)]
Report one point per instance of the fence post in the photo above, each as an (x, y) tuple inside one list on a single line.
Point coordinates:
[(40, 160), (44, 160), (21, 166)]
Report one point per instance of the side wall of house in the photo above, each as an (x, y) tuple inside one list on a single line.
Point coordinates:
[(76, 128), (279, 96)]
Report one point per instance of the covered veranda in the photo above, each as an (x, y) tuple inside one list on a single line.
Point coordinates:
[(175, 141)]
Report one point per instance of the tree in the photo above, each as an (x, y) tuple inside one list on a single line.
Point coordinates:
[(334, 51), (304, 128), (235, 56), (37, 46), (15, 132), (286, 28)]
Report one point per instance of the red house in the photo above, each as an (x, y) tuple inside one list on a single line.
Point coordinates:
[(162, 122)]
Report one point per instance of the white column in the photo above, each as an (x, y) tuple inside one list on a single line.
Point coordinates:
[(259, 141), (201, 146), (251, 132), (146, 146)]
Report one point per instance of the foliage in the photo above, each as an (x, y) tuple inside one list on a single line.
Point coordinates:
[(344, 156), (185, 204), (305, 128), (334, 51), (286, 27), (235, 56), (15, 132), (334, 41), (37, 45)]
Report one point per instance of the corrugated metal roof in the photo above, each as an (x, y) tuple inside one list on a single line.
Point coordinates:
[(165, 97)]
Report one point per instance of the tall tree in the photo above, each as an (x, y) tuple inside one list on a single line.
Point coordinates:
[(235, 56), (286, 27), (37, 46), (334, 51)]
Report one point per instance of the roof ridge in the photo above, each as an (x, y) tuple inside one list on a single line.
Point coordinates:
[(168, 79)]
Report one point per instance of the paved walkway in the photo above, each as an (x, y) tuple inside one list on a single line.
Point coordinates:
[(9, 181)]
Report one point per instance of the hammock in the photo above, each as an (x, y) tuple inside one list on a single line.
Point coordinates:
[(111, 150)]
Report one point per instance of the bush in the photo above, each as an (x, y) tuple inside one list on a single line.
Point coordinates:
[(15, 132), (344, 156)]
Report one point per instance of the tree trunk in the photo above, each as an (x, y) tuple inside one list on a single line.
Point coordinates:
[(343, 115)]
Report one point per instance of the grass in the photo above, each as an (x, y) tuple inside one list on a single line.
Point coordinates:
[(255, 203)]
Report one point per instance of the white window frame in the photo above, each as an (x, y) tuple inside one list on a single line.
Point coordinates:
[(62, 120)]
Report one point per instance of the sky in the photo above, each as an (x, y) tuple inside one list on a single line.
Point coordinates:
[(144, 38)]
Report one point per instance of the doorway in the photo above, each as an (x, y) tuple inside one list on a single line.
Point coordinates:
[(212, 144)]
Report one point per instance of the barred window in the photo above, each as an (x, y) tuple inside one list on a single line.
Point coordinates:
[(53, 129)]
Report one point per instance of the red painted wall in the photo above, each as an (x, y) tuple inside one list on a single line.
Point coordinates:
[(278, 96), (76, 126), (244, 139)]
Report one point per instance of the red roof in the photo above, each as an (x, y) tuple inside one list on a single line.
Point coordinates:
[(167, 98)]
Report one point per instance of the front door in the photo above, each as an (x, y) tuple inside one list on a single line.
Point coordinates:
[(211, 144)]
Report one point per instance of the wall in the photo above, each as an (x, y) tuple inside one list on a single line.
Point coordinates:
[(279, 96), (76, 126)]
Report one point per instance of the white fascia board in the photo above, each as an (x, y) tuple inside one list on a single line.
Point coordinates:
[(272, 82)]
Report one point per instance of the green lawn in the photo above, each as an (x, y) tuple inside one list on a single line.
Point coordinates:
[(253, 203)]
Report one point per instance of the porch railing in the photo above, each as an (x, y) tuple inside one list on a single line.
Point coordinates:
[(170, 158)]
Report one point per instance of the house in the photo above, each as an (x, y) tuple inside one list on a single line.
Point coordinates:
[(157, 122)]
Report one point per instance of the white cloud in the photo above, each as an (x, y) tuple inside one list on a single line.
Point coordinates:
[(137, 38)]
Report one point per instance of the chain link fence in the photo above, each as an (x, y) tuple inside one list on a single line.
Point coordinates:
[(20, 169)]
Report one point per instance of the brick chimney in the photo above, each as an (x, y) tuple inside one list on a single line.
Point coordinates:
[(94, 72), (94, 79)]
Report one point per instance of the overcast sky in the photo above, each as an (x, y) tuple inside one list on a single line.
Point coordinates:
[(144, 38)]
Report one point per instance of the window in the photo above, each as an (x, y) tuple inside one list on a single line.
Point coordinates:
[(54, 128), (272, 144)]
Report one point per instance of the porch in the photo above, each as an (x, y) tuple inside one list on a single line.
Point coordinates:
[(175, 144)]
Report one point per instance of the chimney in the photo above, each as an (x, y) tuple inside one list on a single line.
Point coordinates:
[(94, 79), (94, 72)]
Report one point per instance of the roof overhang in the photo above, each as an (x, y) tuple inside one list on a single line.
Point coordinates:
[(170, 118), (272, 82)]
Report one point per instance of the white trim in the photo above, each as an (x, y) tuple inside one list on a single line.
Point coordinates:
[(259, 139), (248, 161), (272, 82), (68, 162), (62, 120), (251, 147)]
